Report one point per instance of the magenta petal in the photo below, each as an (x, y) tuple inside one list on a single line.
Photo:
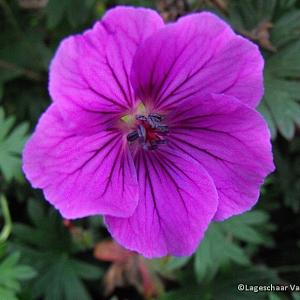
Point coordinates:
[(81, 175), (231, 141), (89, 73), (197, 55), (177, 201)]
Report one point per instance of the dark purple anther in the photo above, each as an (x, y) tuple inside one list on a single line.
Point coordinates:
[(155, 118), (140, 118), (150, 146), (149, 132), (132, 136), (142, 133)]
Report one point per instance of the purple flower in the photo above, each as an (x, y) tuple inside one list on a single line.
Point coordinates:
[(153, 126)]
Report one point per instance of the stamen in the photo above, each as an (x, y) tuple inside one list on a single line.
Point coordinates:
[(140, 118), (142, 133), (132, 136), (150, 132), (155, 117), (154, 120)]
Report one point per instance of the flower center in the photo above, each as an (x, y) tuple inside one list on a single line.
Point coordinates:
[(149, 132)]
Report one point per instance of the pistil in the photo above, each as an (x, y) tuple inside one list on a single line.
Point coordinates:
[(150, 132)]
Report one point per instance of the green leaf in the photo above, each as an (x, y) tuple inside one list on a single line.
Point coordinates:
[(168, 265), (221, 243), (12, 141), (86, 271), (55, 11), (11, 274), (214, 251), (286, 29), (78, 11), (247, 14), (62, 280), (48, 246), (242, 228), (265, 111), (7, 294), (285, 63), (6, 230), (280, 105)]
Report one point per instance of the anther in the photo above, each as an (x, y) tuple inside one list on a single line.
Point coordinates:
[(140, 118), (142, 133), (132, 136), (149, 131), (155, 117), (154, 120)]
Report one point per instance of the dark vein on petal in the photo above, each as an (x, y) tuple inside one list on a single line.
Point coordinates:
[(178, 189), (203, 65), (195, 91), (128, 84), (88, 87), (171, 67), (188, 78), (201, 150), (112, 171), (96, 152), (117, 81), (152, 190)]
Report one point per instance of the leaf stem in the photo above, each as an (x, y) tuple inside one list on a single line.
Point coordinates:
[(6, 230)]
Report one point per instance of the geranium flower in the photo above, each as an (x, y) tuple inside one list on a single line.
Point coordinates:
[(153, 126)]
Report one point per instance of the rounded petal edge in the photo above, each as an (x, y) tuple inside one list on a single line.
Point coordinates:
[(80, 175), (233, 143), (178, 200)]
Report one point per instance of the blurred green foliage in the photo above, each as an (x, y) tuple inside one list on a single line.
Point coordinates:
[(45, 258)]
